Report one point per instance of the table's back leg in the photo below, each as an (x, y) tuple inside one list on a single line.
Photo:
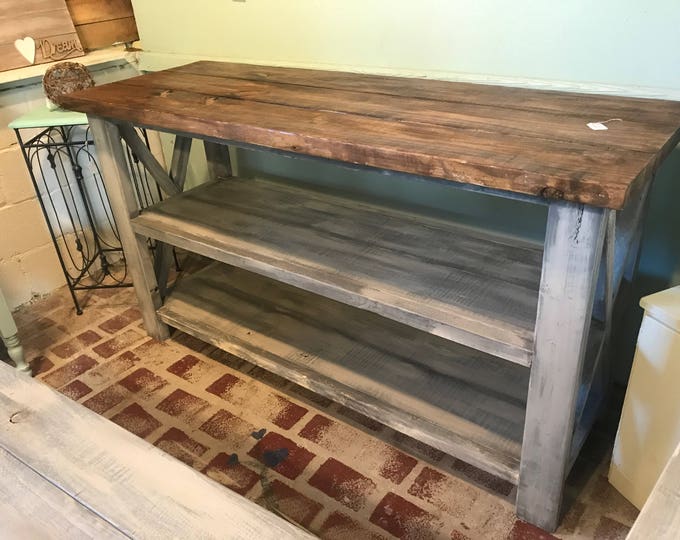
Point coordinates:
[(218, 160), (573, 249), (178, 174), (124, 207)]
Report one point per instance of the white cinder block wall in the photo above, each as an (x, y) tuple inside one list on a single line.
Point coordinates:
[(28, 263)]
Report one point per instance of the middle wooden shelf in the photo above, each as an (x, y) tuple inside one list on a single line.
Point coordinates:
[(464, 284)]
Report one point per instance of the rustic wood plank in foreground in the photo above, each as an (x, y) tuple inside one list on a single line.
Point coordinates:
[(459, 400), (31, 507), (463, 284), (519, 140), (660, 516), (138, 489)]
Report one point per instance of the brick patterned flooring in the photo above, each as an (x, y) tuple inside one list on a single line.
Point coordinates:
[(334, 472)]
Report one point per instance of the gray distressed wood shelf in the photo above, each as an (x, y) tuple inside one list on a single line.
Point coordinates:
[(454, 398), (470, 286)]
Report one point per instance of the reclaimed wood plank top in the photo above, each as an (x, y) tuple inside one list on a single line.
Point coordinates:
[(525, 141)]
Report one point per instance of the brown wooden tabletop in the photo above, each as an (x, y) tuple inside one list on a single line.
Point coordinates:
[(525, 141)]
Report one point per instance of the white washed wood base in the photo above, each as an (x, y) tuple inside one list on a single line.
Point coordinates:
[(31, 507), (118, 485)]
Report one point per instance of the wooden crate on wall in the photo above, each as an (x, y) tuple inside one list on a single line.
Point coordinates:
[(101, 23), (35, 32)]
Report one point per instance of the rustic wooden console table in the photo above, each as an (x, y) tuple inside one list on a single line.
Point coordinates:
[(482, 345)]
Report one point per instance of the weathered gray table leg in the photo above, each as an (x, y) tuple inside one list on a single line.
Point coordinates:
[(573, 250), (10, 337), (124, 207)]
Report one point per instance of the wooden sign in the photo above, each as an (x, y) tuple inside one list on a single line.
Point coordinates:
[(101, 23), (36, 32)]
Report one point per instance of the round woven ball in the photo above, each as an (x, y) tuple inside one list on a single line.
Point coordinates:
[(64, 78)]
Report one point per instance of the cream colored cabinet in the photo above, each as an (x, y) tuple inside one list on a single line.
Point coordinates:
[(649, 430)]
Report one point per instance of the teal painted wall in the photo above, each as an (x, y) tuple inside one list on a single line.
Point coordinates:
[(612, 46), (625, 43)]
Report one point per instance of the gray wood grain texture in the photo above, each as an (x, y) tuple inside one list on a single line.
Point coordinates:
[(140, 149), (660, 516), (466, 285), (218, 159), (573, 249), (459, 400), (135, 487), (33, 508), (121, 196), (178, 174)]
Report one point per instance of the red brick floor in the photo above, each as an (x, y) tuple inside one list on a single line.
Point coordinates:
[(334, 472)]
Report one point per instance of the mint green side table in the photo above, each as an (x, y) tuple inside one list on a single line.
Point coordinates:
[(60, 156), (42, 117)]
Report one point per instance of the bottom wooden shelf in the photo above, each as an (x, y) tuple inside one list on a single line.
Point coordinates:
[(461, 401)]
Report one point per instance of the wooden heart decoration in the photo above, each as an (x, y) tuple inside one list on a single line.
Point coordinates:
[(26, 48)]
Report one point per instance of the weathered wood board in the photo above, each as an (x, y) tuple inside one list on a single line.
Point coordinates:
[(660, 516), (32, 507), (520, 140), (36, 32), (96, 480), (459, 400), (468, 285), (101, 23)]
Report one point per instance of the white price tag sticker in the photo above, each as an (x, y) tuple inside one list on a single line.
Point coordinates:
[(597, 126)]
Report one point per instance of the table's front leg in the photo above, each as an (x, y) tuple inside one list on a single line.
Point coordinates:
[(573, 249), (119, 188)]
